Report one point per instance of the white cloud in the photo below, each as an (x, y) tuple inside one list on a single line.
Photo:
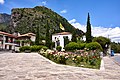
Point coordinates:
[(112, 33), (63, 11), (78, 25), (2, 1), (44, 2), (72, 21)]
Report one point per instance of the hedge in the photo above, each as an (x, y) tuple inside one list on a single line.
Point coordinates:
[(34, 48), (81, 45), (23, 48), (71, 46), (59, 48), (93, 46)]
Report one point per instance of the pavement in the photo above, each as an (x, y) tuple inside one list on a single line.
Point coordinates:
[(32, 66), (116, 58)]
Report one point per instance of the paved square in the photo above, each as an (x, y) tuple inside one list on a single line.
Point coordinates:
[(32, 66)]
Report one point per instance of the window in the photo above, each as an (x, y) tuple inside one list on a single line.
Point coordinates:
[(6, 39), (55, 38)]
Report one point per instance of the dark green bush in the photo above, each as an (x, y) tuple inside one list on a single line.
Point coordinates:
[(71, 46), (59, 48), (93, 46), (81, 45), (32, 43), (23, 48), (62, 59), (35, 48), (53, 44)]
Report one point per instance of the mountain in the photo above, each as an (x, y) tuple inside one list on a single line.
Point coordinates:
[(4, 21), (26, 20), (5, 18)]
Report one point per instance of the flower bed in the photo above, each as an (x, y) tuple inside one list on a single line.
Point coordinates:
[(80, 58)]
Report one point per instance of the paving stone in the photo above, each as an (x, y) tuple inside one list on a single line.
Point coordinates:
[(32, 66)]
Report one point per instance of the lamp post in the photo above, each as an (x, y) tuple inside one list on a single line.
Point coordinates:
[(109, 47)]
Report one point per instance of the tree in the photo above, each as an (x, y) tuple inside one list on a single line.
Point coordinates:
[(47, 39), (37, 36), (74, 39), (115, 47), (104, 42), (88, 33), (66, 40)]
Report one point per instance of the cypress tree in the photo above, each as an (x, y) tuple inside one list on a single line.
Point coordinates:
[(88, 33), (37, 36), (47, 39)]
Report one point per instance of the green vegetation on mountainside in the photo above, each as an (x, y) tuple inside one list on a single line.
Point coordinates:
[(4, 21), (28, 19)]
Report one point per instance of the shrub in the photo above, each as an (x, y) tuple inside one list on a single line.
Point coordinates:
[(26, 41), (23, 48), (35, 48), (59, 48), (93, 46), (53, 44), (62, 59), (71, 46), (32, 43), (81, 45), (45, 48), (88, 59), (17, 41)]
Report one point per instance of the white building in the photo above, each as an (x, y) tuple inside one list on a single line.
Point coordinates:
[(26, 37), (58, 38), (84, 38), (7, 41)]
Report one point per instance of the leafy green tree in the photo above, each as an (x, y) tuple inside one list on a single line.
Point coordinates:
[(93, 46), (88, 33), (115, 47), (118, 48), (104, 42)]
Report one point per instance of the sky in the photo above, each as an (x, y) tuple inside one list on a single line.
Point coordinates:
[(104, 14)]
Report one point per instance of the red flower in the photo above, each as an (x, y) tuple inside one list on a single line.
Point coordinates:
[(94, 56)]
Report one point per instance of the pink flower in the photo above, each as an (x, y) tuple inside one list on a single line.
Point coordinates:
[(81, 51), (66, 57)]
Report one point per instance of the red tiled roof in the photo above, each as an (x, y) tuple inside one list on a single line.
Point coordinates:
[(11, 35), (31, 34), (62, 33), (8, 34), (28, 35)]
